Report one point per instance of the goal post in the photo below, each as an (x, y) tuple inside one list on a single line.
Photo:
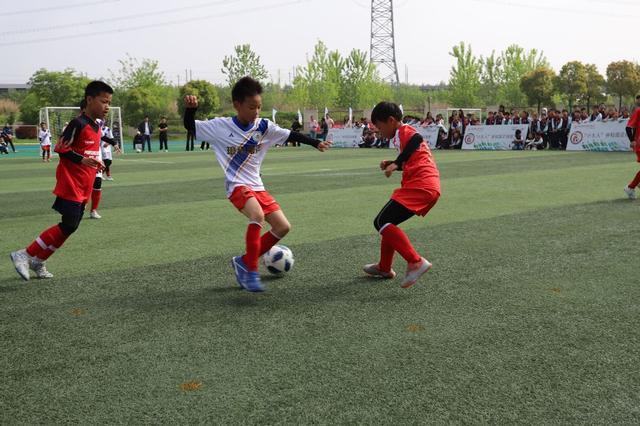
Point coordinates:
[(57, 118)]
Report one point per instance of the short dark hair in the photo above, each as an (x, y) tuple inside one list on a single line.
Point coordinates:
[(244, 88), (637, 97), (385, 110), (96, 87)]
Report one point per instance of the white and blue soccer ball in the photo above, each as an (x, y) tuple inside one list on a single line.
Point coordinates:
[(278, 260)]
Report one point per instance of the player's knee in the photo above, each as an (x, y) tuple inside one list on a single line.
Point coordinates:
[(377, 224), (283, 229), (68, 227), (257, 217)]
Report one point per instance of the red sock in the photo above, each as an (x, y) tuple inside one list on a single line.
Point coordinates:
[(47, 243), (95, 199), (267, 241), (635, 182), (400, 242), (252, 239), (386, 255)]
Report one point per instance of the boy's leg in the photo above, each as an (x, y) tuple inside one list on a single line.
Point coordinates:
[(96, 195), (393, 238), (253, 212), (280, 227)]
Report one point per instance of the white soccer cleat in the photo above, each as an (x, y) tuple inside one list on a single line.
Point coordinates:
[(374, 270), (38, 266), (108, 178), (20, 261), (95, 215), (416, 272), (631, 193)]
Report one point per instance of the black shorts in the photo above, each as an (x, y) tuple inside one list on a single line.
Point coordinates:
[(68, 208)]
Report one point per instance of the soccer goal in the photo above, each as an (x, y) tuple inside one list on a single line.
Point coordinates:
[(58, 117)]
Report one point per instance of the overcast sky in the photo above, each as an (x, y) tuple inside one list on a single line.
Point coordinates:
[(90, 36)]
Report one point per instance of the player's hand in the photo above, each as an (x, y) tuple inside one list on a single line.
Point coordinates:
[(191, 101), (323, 146), (92, 162), (117, 149), (388, 171), (384, 164)]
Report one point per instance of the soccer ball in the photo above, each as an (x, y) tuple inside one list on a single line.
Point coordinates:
[(138, 150), (278, 260)]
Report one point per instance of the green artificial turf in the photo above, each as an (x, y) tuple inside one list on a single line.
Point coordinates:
[(530, 314)]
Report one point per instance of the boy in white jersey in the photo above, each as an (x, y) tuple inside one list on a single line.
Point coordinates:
[(240, 144), (45, 142)]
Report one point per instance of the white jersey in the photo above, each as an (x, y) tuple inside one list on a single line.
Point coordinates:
[(240, 150), (105, 147), (45, 138)]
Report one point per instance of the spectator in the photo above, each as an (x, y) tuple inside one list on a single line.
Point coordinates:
[(138, 140), (518, 142), (456, 140), (146, 130), (596, 115), (190, 140), (368, 140), (535, 143), (163, 129), (491, 119), (313, 127), (7, 136), (324, 130)]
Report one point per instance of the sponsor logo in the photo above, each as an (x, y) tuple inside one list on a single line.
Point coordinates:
[(470, 139), (576, 138)]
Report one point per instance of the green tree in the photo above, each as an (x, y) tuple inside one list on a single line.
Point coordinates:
[(141, 89), (244, 62), (538, 86), (516, 63), (208, 101), (490, 78), (623, 79), (52, 88), (316, 84), (361, 85), (464, 77), (572, 81), (595, 85)]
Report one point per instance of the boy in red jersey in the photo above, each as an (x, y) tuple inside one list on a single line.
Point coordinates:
[(79, 151), (418, 193), (633, 132)]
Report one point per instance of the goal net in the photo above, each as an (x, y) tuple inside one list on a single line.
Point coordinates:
[(58, 117)]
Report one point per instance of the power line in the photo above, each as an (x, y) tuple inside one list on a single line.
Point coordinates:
[(152, 25), (557, 9), (62, 7), (74, 25)]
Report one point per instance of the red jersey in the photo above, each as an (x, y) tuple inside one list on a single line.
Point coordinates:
[(634, 123), (81, 138), (420, 170)]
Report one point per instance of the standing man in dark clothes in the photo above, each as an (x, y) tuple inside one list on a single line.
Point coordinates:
[(163, 129), (146, 130)]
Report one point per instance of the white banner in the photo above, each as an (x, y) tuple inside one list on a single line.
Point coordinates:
[(345, 138), (599, 136), (494, 138), (430, 133)]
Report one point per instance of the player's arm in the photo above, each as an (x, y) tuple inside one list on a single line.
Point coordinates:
[(317, 144), (391, 166)]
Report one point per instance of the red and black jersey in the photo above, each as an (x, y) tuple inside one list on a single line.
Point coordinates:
[(419, 170), (80, 139)]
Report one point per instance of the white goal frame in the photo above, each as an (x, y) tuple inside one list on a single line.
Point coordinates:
[(115, 115)]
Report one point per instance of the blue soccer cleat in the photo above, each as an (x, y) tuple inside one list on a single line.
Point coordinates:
[(252, 282), (240, 270)]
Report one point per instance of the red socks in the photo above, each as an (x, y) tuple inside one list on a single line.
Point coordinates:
[(252, 239), (47, 243), (95, 199), (268, 240), (399, 241), (386, 255), (635, 182)]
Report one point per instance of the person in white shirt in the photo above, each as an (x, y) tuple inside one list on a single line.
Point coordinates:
[(107, 154), (240, 144), (44, 137)]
